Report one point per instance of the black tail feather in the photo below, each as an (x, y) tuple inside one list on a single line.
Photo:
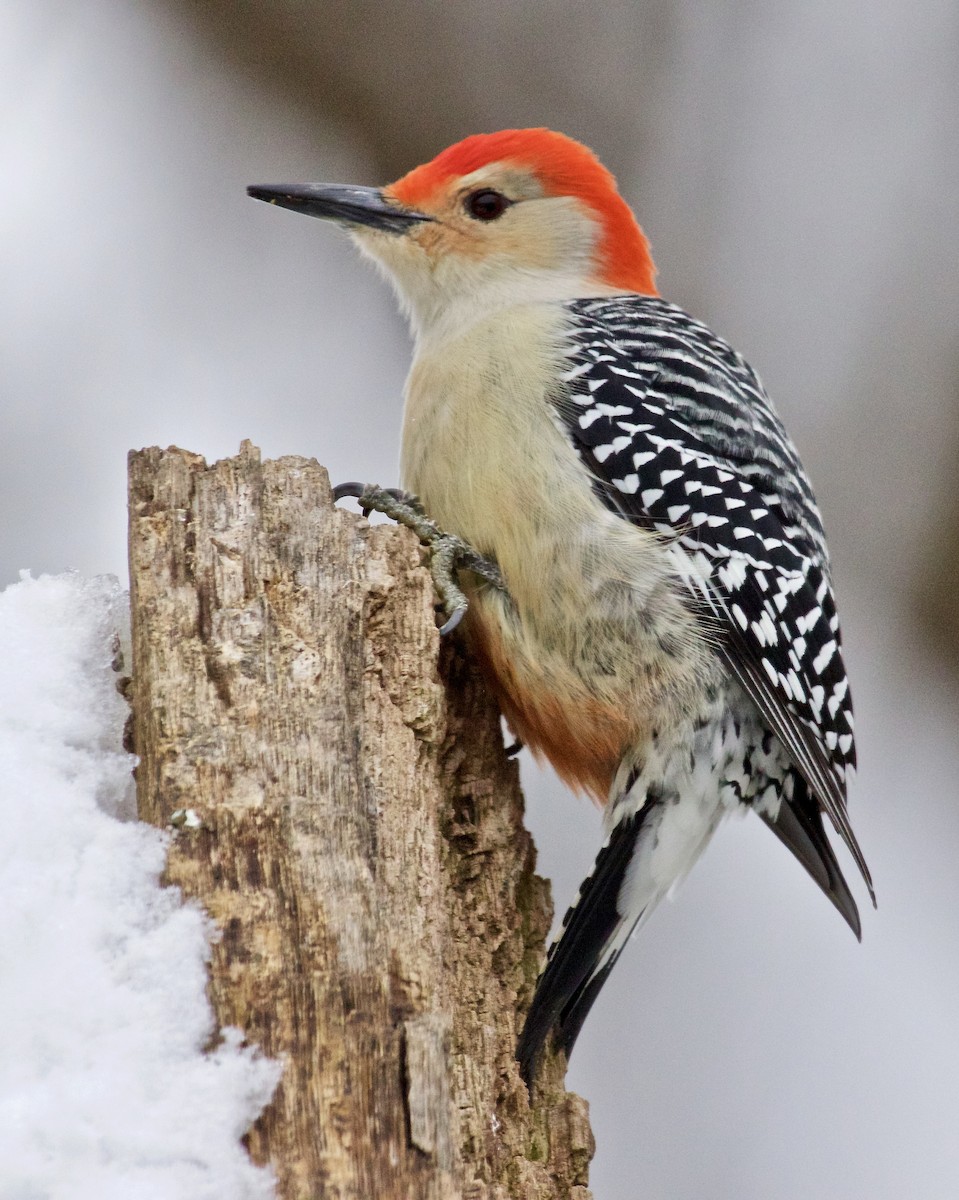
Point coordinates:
[(573, 1016), (570, 982), (799, 826), (573, 978)]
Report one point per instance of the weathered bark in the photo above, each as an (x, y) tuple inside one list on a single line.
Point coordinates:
[(342, 808)]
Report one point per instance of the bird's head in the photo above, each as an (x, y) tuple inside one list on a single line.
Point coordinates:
[(496, 220)]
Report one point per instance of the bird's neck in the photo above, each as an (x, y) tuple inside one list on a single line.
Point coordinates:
[(439, 316)]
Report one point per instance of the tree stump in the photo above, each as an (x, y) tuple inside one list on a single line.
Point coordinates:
[(341, 806)]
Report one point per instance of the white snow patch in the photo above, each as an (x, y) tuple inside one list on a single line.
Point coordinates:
[(105, 1091)]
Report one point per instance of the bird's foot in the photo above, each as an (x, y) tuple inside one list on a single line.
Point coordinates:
[(448, 553)]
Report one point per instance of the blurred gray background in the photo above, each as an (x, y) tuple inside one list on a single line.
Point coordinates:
[(796, 169)]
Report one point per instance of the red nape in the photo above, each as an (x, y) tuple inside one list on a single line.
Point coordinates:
[(564, 167)]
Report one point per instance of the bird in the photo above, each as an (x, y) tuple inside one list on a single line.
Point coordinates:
[(659, 622)]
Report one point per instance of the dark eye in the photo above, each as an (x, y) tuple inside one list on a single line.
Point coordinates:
[(486, 205)]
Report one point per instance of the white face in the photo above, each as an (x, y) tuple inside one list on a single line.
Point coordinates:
[(459, 267)]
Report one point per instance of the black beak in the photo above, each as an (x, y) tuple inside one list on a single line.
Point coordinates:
[(339, 202)]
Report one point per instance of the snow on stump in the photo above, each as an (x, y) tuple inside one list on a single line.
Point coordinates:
[(108, 1086), (342, 808)]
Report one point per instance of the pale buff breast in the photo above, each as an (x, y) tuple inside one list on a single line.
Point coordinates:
[(597, 649)]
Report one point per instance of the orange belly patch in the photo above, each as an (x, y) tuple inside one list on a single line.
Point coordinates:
[(582, 737)]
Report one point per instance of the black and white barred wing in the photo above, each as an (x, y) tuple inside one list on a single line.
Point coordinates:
[(680, 437)]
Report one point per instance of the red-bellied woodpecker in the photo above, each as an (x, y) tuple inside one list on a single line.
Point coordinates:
[(663, 630)]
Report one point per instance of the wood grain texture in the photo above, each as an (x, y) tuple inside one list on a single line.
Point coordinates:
[(340, 804)]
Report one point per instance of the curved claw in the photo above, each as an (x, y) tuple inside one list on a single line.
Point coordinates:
[(371, 496), (455, 617), (342, 490), (448, 551)]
